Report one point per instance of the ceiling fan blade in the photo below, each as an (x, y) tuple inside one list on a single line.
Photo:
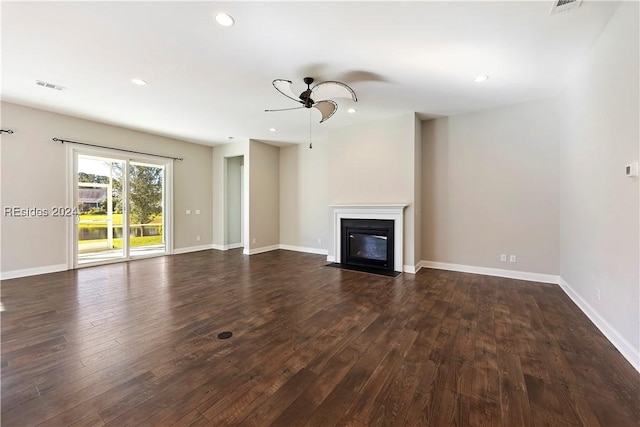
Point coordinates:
[(284, 87), (283, 109), (333, 89), (327, 108)]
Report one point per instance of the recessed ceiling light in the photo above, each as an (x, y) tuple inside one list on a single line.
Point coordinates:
[(481, 79), (139, 82), (351, 110), (273, 129), (225, 20)]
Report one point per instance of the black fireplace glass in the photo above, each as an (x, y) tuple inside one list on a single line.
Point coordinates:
[(367, 243), (368, 246)]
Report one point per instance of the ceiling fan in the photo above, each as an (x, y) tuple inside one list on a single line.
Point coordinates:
[(322, 90)]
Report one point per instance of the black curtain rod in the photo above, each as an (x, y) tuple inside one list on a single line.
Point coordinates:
[(62, 141)]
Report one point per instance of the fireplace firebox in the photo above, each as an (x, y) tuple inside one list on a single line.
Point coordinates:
[(367, 243)]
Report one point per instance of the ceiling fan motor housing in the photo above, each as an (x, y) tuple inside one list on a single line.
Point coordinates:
[(306, 99), (306, 95)]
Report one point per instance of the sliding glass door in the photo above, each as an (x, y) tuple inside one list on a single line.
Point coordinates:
[(99, 197), (122, 207), (146, 209)]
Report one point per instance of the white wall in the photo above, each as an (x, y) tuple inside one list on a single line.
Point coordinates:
[(490, 187), (304, 204), (264, 197), (417, 189), (261, 194), (599, 206), (220, 154), (373, 163), (34, 174)]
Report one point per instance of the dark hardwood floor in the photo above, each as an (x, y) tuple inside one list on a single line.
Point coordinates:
[(136, 344)]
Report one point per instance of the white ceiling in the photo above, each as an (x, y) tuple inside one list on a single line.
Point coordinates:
[(208, 83)]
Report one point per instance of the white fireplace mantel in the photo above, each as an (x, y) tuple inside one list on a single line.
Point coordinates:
[(393, 212)]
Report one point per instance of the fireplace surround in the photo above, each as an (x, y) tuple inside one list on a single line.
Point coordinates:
[(389, 212)]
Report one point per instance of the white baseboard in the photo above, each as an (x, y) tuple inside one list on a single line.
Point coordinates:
[(304, 249), (510, 274), (192, 249), (331, 258), (284, 247), (412, 269), (13, 274), (631, 354), (249, 251), (227, 247)]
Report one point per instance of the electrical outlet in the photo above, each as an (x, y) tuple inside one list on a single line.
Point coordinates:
[(188, 212), (197, 211), (503, 258), (254, 240), (598, 293), (512, 258), (197, 238), (319, 241)]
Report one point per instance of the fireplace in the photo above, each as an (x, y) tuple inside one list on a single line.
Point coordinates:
[(368, 243), (393, 213)]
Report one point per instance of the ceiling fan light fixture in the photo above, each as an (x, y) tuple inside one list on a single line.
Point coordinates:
[(481, 78), (224, 19)]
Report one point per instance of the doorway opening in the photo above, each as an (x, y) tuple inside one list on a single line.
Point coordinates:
[(235, 203)]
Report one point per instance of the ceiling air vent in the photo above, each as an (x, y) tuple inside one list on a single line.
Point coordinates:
[(564, 5), (49, 85)]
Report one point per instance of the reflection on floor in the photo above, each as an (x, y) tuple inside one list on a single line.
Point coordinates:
[(114, 254)]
